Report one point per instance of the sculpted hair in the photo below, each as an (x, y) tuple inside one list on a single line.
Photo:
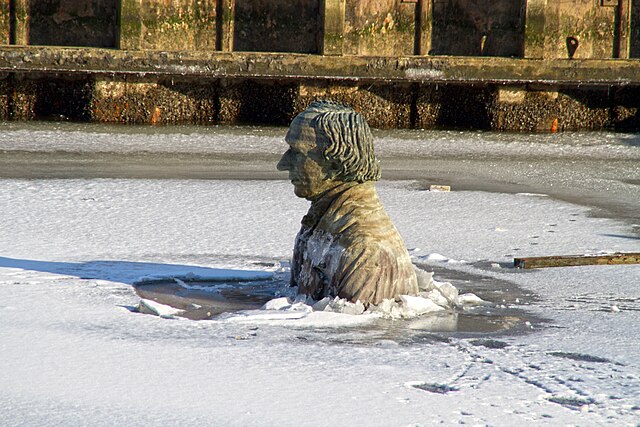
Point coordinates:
[(347, 142)]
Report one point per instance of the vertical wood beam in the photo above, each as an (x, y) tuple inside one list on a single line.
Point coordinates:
[(634, 29), (5, 23), (130, 34), (623, 29), (333, 14), (19, 22), (225, 16), (424, 26), (534, 38)]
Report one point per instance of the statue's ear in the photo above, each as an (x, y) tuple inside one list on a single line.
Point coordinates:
[(332, 169)]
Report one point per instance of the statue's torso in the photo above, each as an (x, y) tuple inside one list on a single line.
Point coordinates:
[(349, 247)]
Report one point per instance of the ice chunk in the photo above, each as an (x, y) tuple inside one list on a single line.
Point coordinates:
[(444, 294), (147, 306), (341, 305), (471, 299), (415, 306), (434, 297), (304, 299), (277, 304), (425, 279), (301, 307), (322, 304), (180, 282)]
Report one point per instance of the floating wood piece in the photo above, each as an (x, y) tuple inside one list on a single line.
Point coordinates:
[(439, 188), (575, 260)]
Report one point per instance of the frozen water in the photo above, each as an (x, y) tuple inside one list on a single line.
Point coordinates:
[(72, 352)]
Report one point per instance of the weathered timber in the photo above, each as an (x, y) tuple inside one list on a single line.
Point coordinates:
[(279, 66), (577, 260)]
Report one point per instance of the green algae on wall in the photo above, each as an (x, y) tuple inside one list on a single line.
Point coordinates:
[(534, 29), (586, 20), (18, 97), (565, 109), (397, 92), (161, 25), (383, 105), (380, 27), (5, 22), (153, 101)]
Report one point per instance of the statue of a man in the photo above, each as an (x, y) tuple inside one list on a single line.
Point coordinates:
[(347, 246)]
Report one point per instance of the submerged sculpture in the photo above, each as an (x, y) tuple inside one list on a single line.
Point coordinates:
[(347, 246)]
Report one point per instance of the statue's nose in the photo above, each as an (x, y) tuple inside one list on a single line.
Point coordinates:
[(284, 164)]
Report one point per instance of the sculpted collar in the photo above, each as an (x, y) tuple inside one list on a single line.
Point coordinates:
[(321, 205)]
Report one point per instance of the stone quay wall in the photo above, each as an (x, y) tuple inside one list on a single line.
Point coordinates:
[(516, 65)]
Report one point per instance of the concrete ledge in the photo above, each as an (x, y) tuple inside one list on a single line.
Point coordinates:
[(170, 87), (408, 69)]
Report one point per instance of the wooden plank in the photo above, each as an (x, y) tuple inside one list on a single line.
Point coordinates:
[(577, 260)]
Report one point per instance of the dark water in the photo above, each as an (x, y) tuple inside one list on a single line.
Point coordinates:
[(505, 312)]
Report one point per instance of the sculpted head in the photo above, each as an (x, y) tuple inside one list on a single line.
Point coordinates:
[(329, 144)]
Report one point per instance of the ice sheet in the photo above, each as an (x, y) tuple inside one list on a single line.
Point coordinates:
[(72, 352)]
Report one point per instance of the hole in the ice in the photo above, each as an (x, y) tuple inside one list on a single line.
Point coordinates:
[(200, 299)]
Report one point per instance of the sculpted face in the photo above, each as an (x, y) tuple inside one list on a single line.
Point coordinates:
[(304, 161)]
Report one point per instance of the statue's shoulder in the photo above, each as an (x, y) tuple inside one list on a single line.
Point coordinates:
[(372, 270), (368, 248)]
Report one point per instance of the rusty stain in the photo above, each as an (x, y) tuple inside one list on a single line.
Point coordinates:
[(155, 116)]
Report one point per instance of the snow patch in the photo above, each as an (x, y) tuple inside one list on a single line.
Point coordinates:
[(435, 257)]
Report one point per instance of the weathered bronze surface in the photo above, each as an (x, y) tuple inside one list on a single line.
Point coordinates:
[(347, 246)]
